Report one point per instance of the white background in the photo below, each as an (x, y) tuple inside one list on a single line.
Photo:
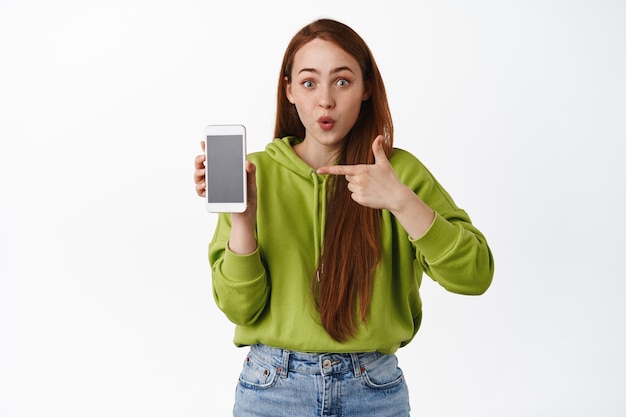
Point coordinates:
[(518, 108)]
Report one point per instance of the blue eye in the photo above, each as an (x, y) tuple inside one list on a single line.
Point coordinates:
[(343, 83), (308, 84)]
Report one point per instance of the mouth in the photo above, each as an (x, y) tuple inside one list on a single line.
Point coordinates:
[(326, 123)]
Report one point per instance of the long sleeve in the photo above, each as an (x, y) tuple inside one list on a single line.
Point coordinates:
[(240, 284), (453, 251), (456, 255)]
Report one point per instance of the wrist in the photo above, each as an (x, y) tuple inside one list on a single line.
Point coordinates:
[(242, 239), (414, 214), (402, 200)]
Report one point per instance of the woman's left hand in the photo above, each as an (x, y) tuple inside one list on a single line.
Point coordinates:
[(377, 186), (372, 185)]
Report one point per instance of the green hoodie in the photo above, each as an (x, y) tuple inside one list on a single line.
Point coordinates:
[(267, 293)]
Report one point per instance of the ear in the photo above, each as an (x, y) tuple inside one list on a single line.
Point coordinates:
[(288, 93)]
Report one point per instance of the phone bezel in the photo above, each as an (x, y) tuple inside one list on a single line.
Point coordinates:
[(226, 207)]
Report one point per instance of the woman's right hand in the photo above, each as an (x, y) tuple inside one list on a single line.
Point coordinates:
[(242, 240), (198, 174)]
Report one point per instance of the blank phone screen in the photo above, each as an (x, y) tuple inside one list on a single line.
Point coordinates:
[(224, 160)]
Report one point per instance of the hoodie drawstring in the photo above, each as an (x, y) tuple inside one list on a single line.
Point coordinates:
[(319, 221)]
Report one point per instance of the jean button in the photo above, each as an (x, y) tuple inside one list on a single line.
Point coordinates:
[(326, 364)]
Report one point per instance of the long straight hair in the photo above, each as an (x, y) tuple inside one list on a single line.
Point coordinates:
[(352, 246)]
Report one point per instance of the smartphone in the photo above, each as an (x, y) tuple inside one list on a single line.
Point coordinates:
[(226, 188)]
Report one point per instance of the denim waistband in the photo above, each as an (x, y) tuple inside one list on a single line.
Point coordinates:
[(286, 361)]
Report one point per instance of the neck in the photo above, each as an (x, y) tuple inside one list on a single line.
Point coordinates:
[(316, 156)]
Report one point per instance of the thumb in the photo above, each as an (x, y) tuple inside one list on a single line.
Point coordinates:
[(378, 150)]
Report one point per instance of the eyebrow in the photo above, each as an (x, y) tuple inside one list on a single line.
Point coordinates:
[(316, 71)]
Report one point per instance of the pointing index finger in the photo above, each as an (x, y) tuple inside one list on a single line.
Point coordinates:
[(337, 170)]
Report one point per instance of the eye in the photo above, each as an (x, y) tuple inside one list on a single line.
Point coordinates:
[(308, 84), (343, 82)]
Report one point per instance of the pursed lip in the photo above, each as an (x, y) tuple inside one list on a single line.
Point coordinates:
[(326, 123)]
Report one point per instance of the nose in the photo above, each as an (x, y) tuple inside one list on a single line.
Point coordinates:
[(326, 99)]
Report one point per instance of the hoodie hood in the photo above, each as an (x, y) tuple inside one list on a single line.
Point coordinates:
[(281, 151)]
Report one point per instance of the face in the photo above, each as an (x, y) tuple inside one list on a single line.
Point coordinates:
[(327, 88)]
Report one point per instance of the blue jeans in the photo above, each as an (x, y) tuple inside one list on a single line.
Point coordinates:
[(281, 383)]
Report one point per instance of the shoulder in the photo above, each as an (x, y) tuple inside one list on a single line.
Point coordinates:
[(405, 163), (401, 157), (275, 149), (412, 172), (259, 157)]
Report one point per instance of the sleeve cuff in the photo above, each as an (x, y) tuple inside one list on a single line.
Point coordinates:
[(439, 239), (241, 268)]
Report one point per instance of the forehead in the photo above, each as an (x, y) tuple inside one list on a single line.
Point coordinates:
[(323, 56)]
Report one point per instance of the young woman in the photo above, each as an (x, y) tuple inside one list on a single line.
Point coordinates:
[(321, 274)]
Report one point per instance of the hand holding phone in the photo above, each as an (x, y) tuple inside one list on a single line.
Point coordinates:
[(225, 172)]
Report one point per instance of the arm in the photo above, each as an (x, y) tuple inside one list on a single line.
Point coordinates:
[(377, 186), (455, 253), (240, 285), (450, 249), (242, 240)]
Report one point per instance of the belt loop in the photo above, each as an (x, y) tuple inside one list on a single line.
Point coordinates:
[(284, 368), (356, 366)]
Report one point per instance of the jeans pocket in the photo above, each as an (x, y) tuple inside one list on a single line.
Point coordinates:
[(256, 374), (383, 373)]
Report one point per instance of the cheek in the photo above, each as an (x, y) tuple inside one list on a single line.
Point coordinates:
[(355, 109)]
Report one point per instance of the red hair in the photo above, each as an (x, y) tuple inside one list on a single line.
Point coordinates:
[(352, 247)]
